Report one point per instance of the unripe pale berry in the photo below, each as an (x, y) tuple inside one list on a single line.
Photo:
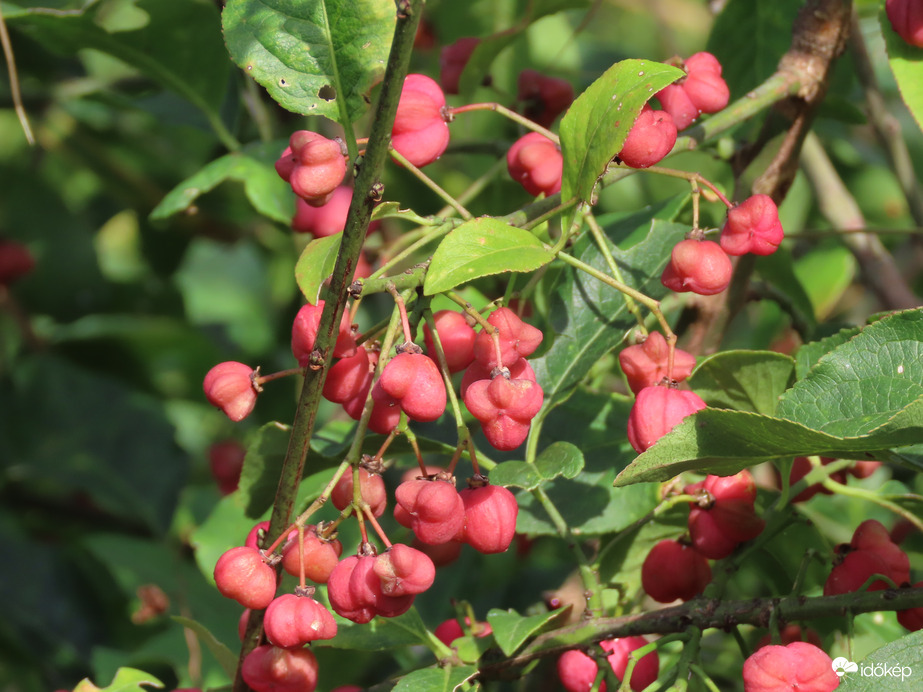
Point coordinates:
[(673, 571), (420, 133), (518, 339), (906, 17), (452, 61), (371, 490), (226, 460), (650, 139), (544, 97), (535, 162), (456, 337), (797, 666), (292, 620), (656, 411), (230, 387), (243, 575), (505, 409), (699, 266), (304, 334), (645, 364), (273, 669), (413, 382), (490, 518), (752, 226)]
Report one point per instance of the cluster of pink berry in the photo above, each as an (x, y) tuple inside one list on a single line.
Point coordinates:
[(577, 671), (723, 519)]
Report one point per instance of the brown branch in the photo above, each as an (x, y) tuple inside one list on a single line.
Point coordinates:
[(705, 614)]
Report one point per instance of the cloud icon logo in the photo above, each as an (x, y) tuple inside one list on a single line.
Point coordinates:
[(841, 666)]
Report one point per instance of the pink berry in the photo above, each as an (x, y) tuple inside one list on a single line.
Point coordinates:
[(242, 574), (348, 377), (490, 518), (313, 165), (452, 61), (577, 671), (544, 97), (699, 266), (797, 666), (645, 364), (15, 261), (517, 339), (420, 133), (752, 226), (256, 535), (371, 490), (319, 556), (646, 669), (906, 17), (536, 163), (855, 569), (230, 387), (413, 382), (404, 571), (912, 618), (656, 411), (674, 571), (456, 337), (675, 101), (702, 90), (519, 370), (505, 409), (292, 620), (434, 509), (273, 669), (650, 139), (304, 334), (356, 594), (226, 460)]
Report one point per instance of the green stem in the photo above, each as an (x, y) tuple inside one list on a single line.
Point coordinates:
[(603, 244), (511, 114), (366, 193), (432, 185), (871, 496)]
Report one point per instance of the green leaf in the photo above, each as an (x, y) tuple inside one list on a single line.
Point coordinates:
[(749, 38), (179, 47), (125, 680), (778, 270), (490, 47), (744, 380), (435, 679), (511, 629), (907, 65), (808, 355), (316, 264), (483, 247), (226, 658), (381, 634), (866, 383), (588, 318), (906, 653), (595, 127), (253, 166), (724, 442), (558, 459), (259, 478), (392, 210), (309, 54)]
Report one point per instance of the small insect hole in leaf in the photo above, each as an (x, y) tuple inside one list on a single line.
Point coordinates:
[(282, 82), (327, 92)]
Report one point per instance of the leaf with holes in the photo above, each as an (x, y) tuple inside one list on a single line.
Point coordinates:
[(594, 129), (483, 247), (309, 54)]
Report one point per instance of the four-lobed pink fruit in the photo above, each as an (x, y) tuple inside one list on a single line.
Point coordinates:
[(490, 518), (452, 61), (673, 570), (730, 520), (577, 671), (242, 574), (371, 490), (536, 163), (646, 364), (433, 509), (230, 387), (699, 266), (505, 408), (412, 381), (274, 669), (752, 226), (292, 620), (404, 571), (420, 133), (304, 334), (656, 411), (518, 339), (313, 165), (651, 137), (702, 90), (456, 337), (798, 666), (544, 97), (317, 557)]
